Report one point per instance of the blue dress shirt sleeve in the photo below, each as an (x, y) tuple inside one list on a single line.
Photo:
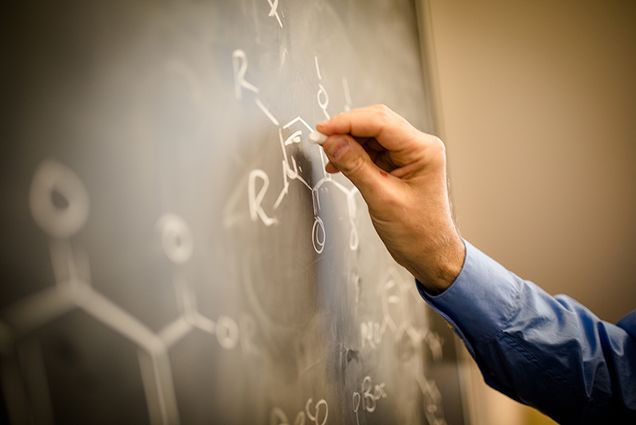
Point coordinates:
[(548, 352)]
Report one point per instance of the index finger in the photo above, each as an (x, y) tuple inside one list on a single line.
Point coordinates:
[(391, 130)]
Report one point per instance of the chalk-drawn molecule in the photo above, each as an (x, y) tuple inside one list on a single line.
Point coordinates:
[(316, 413), (273, 11), (258, 180), (318, 235), (61, 219), (323, 100), (320, 412), (227, 332), (239, 63), (255, 197), (58, 200), (432, 401), (59, 204), (391, 293), (367, 397), (322, 97), (177, 243), (176, 238)]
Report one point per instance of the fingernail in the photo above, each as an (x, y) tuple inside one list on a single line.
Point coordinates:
[(321, 124)]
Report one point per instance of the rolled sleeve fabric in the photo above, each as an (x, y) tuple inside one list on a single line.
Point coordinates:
[(549, 352)]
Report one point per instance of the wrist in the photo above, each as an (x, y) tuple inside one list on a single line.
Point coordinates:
[(442, 266)]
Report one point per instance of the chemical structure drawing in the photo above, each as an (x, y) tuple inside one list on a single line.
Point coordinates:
[(258, 180), (367, 397), (60, 206), (72, 290), (317, 415), (432, 401), (273, 11), (394, 294), (71, 269)]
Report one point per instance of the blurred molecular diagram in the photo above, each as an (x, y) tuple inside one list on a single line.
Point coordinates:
[(60, 206), (72, 289)]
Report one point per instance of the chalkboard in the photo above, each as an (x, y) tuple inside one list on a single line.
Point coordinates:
[(173, 251)]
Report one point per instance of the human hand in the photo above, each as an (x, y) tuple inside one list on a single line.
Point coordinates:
[(401, 174)]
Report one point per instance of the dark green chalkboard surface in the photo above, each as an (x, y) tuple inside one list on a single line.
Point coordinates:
[(172, 249)]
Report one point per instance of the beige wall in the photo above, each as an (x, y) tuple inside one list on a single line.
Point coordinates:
[(539, 114), (538, 102)]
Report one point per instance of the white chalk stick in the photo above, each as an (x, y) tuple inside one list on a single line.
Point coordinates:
[(317, 137)]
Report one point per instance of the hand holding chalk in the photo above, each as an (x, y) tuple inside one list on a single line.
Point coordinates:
[(401, 174)]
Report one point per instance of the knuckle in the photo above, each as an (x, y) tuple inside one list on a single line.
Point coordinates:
[(353, 164), (382, 111), (437, 144), (435, 147)]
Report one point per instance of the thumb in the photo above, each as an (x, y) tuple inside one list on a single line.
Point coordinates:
[(350, 158)]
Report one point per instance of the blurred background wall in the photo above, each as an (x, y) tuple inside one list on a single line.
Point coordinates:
[(538, 109)]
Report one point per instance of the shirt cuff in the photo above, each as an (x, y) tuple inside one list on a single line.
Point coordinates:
[(481, 300)]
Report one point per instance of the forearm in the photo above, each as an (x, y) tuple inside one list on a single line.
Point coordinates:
[(548, 352)]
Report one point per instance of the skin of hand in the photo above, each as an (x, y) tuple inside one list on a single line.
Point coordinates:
[(401, 174)]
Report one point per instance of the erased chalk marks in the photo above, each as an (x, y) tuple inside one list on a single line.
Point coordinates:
[(283, 57), (371, 333), (347, 94), (432, 401)]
